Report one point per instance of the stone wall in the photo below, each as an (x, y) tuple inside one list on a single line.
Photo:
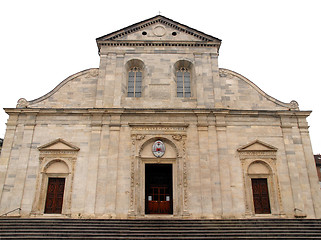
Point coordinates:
[(106, 176)]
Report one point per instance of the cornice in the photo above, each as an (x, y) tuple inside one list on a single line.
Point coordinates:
[(157, 44), (129, 111)]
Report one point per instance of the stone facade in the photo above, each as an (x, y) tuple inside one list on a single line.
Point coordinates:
[(218, 141)]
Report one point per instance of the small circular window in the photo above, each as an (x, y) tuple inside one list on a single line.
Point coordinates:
[(144, 33), (174, 33)]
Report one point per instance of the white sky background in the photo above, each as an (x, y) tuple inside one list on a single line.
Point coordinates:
[(276, 44)]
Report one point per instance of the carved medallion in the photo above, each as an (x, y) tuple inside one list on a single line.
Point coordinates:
[(158, 149), (159, 31)]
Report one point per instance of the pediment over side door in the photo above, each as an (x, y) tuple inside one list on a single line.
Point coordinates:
[(257, 149), (58, 145), (257, 145)]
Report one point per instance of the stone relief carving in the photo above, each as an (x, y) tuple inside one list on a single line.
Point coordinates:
[(158, 128), (255, 154)]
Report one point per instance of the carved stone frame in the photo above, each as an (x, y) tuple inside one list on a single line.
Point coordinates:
[(266, 155), (55, 151), (175, 136)]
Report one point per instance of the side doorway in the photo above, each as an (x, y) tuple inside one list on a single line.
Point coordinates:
[(55, 195), (158, 189), (261, 197)]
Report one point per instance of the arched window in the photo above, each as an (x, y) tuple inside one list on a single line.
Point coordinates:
[(134, 82), (183, 76), (184, 71)]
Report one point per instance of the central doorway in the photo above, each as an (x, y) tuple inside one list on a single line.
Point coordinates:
[(158, 189)]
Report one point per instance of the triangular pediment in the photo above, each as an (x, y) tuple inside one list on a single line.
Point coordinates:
[(158, 28), (58, 145), (257, 146)]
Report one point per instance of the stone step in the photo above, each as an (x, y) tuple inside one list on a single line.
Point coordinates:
[(230, 228), (159, 229), (180, 237), (160, 223), (158, 232), (173, 235)]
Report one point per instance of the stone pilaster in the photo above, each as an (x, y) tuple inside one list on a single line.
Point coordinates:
[(217, 90), (20, 174), (194, 173), (294, 172), (100, 91), (208, 84), (204, 166), (110, 81), (224, 166), (6, 150), (101, 188), (310, 166), (112, 165), (123, 173), (199, 82), (93, 164), (119, 75), (214, 168)]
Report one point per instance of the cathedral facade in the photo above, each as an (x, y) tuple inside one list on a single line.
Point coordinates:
[(158, 131)]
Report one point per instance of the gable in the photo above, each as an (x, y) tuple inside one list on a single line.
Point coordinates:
[(158, 28)]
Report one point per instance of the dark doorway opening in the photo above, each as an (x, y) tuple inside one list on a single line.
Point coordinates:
[(261, 196), (158, 189), (55, 195)]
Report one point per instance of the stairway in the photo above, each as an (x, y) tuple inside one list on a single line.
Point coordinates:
[(17, 228)]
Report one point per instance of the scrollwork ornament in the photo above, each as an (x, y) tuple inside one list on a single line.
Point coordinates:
[(177, 137), (94, 72), (22, 103), (294, 104), (185, 185), (140, 137), (132, 184), (133, 139)]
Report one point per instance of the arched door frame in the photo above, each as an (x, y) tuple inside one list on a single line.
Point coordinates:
[(179, 168)]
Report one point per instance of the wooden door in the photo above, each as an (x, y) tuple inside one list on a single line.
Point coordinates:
[(55, 195), (158, 189), (261, 196), (159, 200)]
